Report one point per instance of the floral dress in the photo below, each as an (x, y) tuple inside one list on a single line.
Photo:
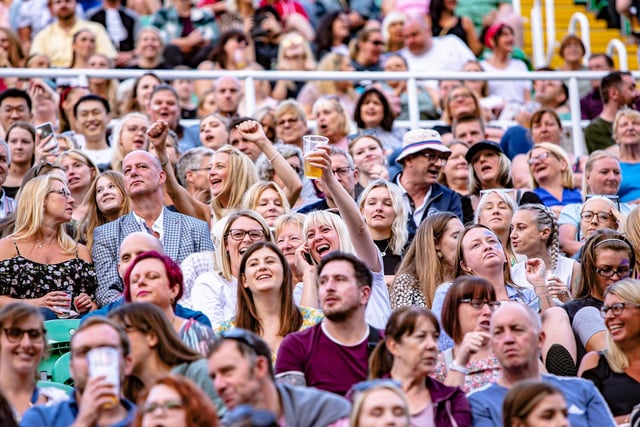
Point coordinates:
[(22, 278)]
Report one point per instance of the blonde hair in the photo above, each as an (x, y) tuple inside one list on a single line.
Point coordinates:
[(334, 221), (628, 290), (333, 103), (625, 112), (30, 212), (632, 231), (595, 156), (399, 233), (241, 175), (291, 39), (559, 153), (253, 194), (330, 62), (116, 148)]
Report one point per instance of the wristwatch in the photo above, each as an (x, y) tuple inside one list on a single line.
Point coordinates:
[(453, 366)]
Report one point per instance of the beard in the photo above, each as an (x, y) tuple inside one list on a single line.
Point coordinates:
[(341, 314)]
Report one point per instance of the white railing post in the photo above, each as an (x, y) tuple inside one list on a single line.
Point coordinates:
[(249, 96), (537, 38), (414, 109), (621, 50), (550, 15), (585, 33), (576, 129)]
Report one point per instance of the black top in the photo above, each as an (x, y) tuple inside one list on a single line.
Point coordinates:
[(390, 261), (572, 308), (456, 30), (620, 391)]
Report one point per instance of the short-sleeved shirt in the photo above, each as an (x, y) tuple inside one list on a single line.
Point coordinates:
[(569, 195), (325, 363), (630, 186)]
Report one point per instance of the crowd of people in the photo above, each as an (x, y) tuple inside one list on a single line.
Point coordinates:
[(470, 274)]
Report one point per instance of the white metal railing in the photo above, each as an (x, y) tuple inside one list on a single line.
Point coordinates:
[(412, 78), (615, 46)]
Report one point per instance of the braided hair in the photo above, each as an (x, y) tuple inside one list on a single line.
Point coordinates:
[(544, 218)]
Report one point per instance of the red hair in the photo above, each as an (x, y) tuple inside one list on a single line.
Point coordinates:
[(174, 273)]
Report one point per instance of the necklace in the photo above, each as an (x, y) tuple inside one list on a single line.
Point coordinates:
[(39, 244), (383, 252)]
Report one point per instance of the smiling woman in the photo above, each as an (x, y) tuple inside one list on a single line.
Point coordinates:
[(107, 200), (216, 293), (41, 263), (265, 298), (408, 354), (128, 135)]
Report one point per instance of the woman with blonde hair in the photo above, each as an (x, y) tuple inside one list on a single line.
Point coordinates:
[(369, 158), (128, 134), (268, 199), (615, 371), (626, 134), (41, 264), (553, 181), (81, 172), (288, 236), (495, 211), (602, 177), (215, 293), (332, 121), (231, 173), (14, 56), (379, 401), (107, 200), (632, 231), (383, 210), (343, 89), (326, 232), (428, 262), (295, 54)]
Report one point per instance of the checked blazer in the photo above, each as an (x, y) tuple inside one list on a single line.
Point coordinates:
[(182, 236)]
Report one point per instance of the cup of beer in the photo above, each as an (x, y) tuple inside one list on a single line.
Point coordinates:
[(311, 144), (105, 362), (63, 311)]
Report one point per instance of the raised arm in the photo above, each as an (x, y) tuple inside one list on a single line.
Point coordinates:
[(358, 231), (184, 202), (252, 131)]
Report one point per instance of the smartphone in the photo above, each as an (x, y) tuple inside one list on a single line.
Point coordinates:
[(46, 129)]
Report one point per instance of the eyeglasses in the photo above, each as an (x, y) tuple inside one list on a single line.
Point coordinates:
[(477, 304), (602, 216), (433, 157), (539, 158), (240, 39), (342, 172), (622, 272), (376, 42), (292, 121), (616, 308), (169, 405), (64, 192), (238, 235), (14, 335)]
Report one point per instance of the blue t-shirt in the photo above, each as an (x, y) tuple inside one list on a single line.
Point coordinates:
[(568, 196), (586, 406), (630, 185), (64, 414)]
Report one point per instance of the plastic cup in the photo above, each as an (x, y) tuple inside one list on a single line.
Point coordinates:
[(311, 144), (64, 311), (105, 361)]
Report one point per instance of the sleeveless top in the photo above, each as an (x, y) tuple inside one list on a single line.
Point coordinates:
[(23, 278), (456, 30), (620, 391)]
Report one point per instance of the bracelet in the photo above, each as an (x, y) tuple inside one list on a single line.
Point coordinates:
[(274, 157), (453, 366)]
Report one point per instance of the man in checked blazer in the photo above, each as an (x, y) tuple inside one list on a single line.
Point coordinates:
[(181, 235)]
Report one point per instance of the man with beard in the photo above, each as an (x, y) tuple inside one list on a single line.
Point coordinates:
[(422, 158), (618, 90), (333, 355), (92, 402)]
